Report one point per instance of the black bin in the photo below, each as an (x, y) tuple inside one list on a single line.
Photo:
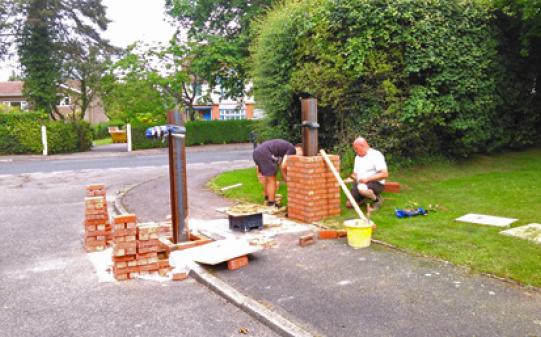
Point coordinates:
[(245, 223)]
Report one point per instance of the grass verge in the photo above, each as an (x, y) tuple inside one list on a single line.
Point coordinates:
[(505, 185), (103, 141)]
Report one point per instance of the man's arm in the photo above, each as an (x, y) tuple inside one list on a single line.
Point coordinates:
[(283, 167), (376, 177)]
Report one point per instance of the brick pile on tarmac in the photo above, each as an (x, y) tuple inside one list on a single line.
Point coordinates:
[(98, 232), (125, 247)]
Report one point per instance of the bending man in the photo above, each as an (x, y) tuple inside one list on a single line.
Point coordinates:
[(268, 156)]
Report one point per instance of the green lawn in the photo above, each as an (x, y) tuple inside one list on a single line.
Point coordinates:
[(103, 141), (507, 185)]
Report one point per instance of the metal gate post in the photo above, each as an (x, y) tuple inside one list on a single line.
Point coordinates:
[(177, 179), (309, 126)]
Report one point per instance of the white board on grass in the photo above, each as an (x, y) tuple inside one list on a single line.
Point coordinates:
[(488, 220), (531, 232)]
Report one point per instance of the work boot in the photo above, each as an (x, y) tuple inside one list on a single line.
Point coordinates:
[(377, 204)]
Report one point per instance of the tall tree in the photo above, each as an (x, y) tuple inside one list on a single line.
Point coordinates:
[(39, 56), (47, 31), (224, 28)]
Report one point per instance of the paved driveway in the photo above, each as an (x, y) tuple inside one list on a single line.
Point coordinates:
[(49, 287)]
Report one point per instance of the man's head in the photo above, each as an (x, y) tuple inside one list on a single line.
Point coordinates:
[(360, 146)]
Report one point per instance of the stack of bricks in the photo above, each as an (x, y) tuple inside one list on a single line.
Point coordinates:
[(312, 190), (163, 255), (125, 247), (97, 225), (147, 247)]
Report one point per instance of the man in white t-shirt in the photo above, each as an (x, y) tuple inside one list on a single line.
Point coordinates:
[(369, 173)]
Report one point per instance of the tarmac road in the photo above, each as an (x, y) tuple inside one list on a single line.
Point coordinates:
[(108, 156)]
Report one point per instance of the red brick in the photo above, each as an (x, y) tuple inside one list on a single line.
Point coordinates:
[(327, 234), (94, 187), (127, 218), (237, 263), (126, 245), (147, 250), (96, 233), (306, 240), (163, 264), (125, 270), (179, 276), (146, 255), (392, 187), (124, 232), (150, 267), (122, 277), (123, 258)]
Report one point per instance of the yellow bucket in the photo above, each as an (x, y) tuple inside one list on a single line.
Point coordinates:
[(359, 233)]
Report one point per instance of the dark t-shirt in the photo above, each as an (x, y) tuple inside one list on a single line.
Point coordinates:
[(278, 148)]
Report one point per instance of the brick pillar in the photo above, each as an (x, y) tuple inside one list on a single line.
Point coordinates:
[(312, 191), (98, 233), (215, 113)]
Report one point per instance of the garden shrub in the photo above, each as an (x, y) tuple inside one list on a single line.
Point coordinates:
[(21, 133), (416, 78)]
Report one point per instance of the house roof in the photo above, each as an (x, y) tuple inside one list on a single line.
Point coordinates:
[(11, 88), (15, 88)]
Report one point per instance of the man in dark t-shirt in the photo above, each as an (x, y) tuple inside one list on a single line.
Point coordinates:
[(267, 157)]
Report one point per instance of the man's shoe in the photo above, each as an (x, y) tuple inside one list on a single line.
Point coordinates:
[(378, 203)]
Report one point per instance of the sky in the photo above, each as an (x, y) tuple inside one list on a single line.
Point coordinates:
[(132, 20)]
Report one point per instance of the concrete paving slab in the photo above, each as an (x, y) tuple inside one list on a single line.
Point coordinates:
[(531, 232), (488, 220)]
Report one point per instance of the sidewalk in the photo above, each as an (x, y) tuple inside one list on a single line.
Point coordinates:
[(372, 292), (120, 150)]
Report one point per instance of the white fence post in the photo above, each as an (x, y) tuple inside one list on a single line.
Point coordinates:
[(44, 139), (128, 130)]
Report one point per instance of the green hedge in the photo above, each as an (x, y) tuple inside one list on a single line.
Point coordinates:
[(21, 133), (199, 133)]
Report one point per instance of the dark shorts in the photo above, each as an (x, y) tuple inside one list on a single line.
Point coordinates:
[(267, 165), (375, 186)]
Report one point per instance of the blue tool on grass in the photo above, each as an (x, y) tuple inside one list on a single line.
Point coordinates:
[(406, 213)]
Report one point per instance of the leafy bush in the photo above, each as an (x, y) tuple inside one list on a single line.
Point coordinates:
[(416, 78), (199, 133), (21, 133)]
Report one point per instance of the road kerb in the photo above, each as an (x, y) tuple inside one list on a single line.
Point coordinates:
[(276, 322)]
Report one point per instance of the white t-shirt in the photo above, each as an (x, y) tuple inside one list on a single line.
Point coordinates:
[(372, 163)]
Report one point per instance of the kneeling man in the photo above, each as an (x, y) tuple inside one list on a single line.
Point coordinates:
[(369, 173)]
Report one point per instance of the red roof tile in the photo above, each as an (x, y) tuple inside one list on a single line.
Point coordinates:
[(12, 88)]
